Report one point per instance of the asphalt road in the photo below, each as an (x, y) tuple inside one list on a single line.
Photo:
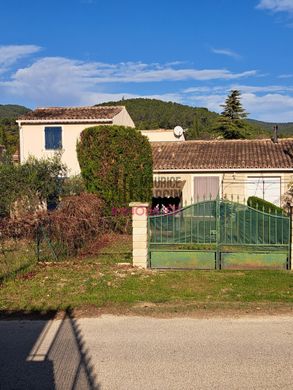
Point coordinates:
[(146, 353)]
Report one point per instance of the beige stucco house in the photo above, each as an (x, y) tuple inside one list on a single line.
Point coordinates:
[(45, 131), (192, 171), (184, 171), (162, 135)]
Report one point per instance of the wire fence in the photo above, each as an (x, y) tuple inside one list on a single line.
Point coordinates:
[(25, 242)]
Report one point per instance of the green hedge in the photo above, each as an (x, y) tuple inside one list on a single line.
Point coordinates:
[(264, 205), (116, 164)]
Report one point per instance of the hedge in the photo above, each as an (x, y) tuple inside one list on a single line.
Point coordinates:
[(116, 164), (264, 205)]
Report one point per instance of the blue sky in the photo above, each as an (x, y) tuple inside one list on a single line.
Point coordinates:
[(82, 52)]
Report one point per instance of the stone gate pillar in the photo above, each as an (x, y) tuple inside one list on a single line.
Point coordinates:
[(140, 233)]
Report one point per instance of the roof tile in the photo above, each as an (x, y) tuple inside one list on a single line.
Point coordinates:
[(223, 154), (72, 113)]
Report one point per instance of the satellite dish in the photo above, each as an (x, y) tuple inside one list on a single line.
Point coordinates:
[(178, 131)]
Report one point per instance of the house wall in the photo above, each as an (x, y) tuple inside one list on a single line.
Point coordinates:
[(32, 143), (123, 119), (162, 136), (32, 140), (232, 185)]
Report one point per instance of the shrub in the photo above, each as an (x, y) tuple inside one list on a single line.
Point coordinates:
[(73, 185), (264, 205), (25, 187), (116, 164), (76, 222)]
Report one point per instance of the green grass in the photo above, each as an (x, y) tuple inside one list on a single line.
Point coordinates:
[(15, 257), (102, 283), (60, 286)]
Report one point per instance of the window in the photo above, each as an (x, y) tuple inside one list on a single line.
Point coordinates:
[(267, 188), (53, 138), (206, 188)]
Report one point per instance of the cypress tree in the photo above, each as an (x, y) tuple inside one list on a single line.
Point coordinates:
[(233, 108)]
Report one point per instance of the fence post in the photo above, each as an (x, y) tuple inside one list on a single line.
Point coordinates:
[(140, 234)]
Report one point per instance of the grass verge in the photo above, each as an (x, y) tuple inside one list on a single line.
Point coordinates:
[(109, 284), (101, 285)]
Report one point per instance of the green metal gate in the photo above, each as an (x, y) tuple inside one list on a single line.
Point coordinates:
[(219, 234)]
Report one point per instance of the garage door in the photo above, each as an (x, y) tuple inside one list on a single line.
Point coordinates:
[(268, 188)]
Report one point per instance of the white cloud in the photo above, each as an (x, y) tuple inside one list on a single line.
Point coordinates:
[(271, 107), (285, 76), (226, 52), (63, 81), (58, 80), (276, 5), (261, 89), (12, 53), (242, 88)]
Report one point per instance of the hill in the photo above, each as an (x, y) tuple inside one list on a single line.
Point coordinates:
[(285, 129), (199, 122), (154, 114), (8, 127), (12, 111)]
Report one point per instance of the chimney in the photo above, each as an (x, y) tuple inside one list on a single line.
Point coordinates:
[(275, 135)]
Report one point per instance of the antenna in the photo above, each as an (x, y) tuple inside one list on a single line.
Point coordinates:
[(178, 131)]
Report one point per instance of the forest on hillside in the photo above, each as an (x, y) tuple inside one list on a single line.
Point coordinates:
[(198, 122), (8, 127)]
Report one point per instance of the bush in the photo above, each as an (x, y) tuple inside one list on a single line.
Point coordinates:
[(264, 205), (73, 185), (116, 164), (26, 187), (77, 227)]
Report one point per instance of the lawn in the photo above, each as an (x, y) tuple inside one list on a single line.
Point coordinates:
[(15, 256), (109, 283)]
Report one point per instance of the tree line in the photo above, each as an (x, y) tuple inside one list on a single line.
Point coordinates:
[(199, 122)]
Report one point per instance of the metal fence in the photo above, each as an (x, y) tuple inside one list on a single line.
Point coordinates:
[(220, 227)]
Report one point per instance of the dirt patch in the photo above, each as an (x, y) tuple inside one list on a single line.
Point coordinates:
[(161, 310), (27, 275), (192, 310)]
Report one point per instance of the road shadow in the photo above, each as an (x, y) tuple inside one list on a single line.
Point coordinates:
[(42, 353)]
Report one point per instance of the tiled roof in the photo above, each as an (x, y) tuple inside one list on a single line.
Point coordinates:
[(223, 154), (72, 113)]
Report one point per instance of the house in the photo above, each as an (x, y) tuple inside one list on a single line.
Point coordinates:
[(184, 171), (160, 135), (191, 171), (45, 131)]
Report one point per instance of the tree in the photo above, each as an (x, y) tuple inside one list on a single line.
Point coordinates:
[(231, 124), (233, 108), (116, 164)]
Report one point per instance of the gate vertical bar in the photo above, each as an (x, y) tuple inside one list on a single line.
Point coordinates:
[(218, 233), (290, 262)]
